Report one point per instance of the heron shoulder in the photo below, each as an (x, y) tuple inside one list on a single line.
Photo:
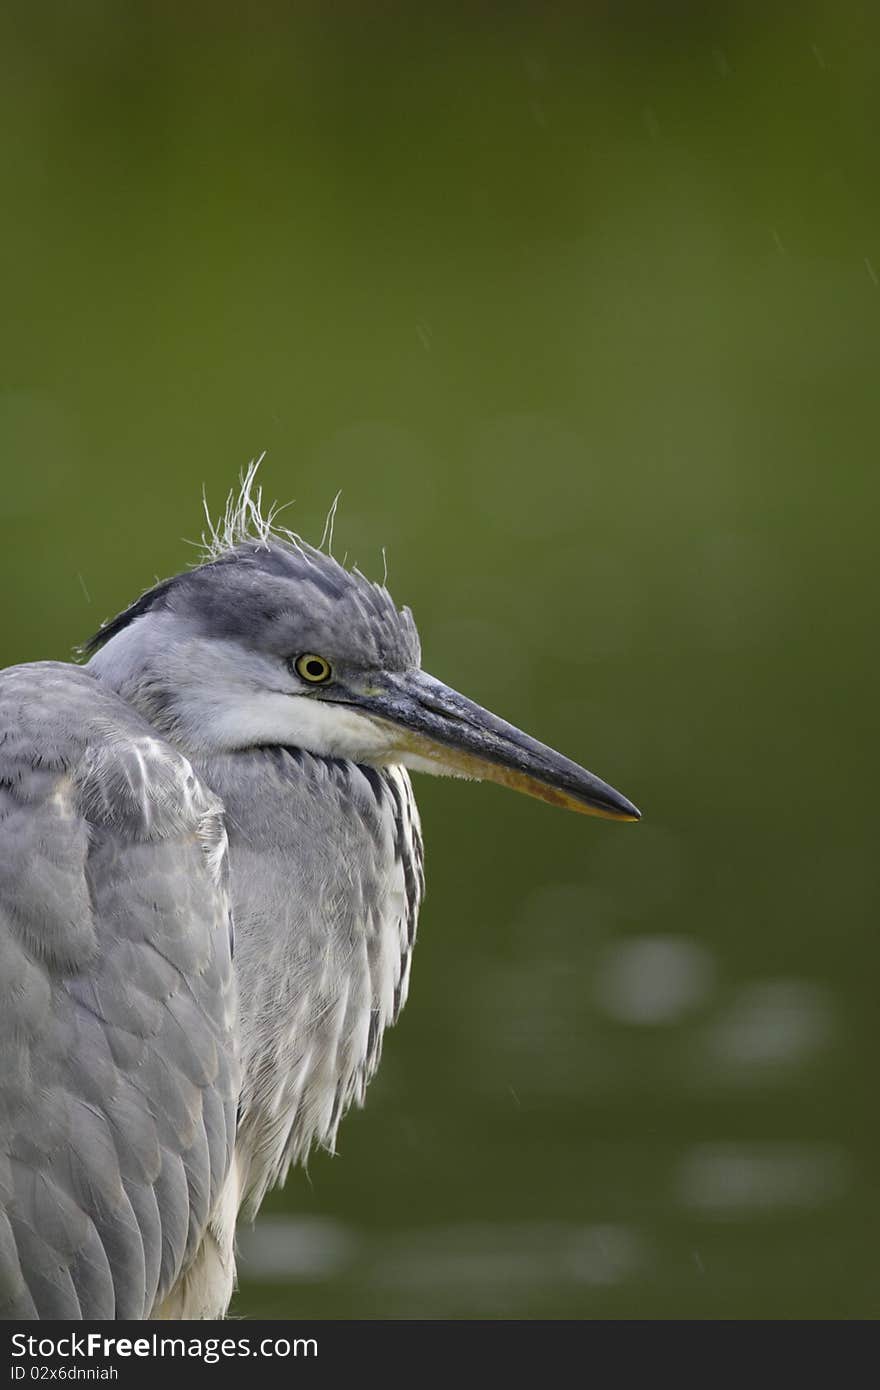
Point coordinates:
[(117, 1002), (58, 720)]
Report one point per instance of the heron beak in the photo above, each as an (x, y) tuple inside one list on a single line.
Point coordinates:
[(437, 730)]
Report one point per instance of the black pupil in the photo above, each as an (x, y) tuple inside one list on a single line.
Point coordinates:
[(315, 668)]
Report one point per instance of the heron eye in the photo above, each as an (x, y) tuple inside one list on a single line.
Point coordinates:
[(313, 668)]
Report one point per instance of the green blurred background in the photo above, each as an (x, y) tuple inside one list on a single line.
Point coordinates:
[(579, 307)]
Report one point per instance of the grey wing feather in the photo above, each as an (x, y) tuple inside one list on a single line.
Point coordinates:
[(118, 1065)]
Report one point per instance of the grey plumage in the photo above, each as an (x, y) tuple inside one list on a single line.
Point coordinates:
[(234, 754), (324, 940), (118, 1067), (245, 595)]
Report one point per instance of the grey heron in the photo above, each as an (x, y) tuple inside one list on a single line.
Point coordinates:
[(209, 887)]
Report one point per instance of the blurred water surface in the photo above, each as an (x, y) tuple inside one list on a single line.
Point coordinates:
[(580, 308)]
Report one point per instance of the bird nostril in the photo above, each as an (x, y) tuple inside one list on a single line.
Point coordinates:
[(436, 709)]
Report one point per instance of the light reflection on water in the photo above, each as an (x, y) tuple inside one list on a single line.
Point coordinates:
[(504, 1268), (732, 1179), (473, 1255), (653, 979), (771, 1023), (670, 997)]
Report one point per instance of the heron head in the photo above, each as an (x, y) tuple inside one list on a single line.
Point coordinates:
[(271, 641)]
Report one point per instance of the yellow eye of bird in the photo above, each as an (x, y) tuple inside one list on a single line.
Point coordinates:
[(313, 668)]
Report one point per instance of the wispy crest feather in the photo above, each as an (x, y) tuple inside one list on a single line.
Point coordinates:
[(243, 519), (247, 541), (244, 522)]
